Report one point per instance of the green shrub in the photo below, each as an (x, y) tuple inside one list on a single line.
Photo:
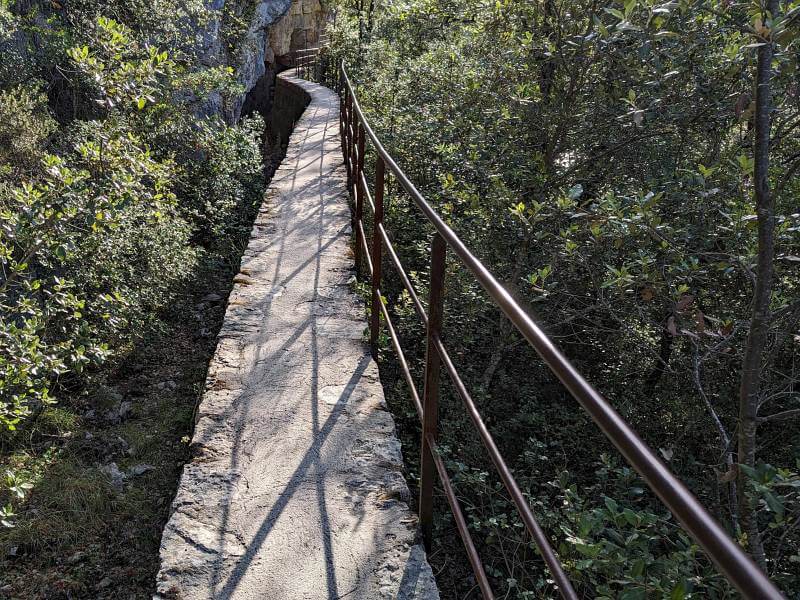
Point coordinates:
[(106, 210), (223, 178), (599, 158), (25, 125)]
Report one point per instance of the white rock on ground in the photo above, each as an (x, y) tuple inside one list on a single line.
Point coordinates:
[(295, 490)]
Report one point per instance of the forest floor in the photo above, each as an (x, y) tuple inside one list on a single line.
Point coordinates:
[(106, 461)]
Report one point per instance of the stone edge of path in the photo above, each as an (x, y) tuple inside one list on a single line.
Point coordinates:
[(298, 95)]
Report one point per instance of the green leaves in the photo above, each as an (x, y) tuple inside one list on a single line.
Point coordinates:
[(617, 277), (773, 488), (70, 232), (575, 192), (612, 146), (679, 591), (538, 279), (745, 163), (123, 73), (79, 53), (15, 485), (7, 516), (619, 546)]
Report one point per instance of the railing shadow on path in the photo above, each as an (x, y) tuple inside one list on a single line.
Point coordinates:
[(311, 460), (295, 486)]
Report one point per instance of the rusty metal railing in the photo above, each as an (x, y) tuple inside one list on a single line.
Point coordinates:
[(730, 559), (305, 61)]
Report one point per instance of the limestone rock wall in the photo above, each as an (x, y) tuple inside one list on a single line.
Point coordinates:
[(299, 29), (289, 102), (274, 30)]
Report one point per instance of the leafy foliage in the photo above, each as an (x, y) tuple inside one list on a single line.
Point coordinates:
[(600, 158), (112, 189)]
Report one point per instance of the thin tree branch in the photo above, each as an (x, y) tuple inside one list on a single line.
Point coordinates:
[(784, 415)]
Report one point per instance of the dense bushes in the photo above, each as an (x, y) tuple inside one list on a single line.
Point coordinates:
[(111, 187), (602, 158)]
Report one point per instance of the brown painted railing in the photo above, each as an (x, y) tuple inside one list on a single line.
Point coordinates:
[(729, 557), (305, 61)]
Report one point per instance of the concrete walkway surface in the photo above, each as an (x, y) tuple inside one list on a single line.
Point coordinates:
[(295, 489)]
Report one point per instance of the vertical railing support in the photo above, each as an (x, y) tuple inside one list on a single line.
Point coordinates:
[(342, 98), (348, 137), (358, 195), (343, 118), (360, 157), (303, 62), (430, 404), (358, 187), (377, 246), (354, 147)]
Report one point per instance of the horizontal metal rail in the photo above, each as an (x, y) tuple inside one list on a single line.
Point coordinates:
[(731, 560), (461, 523), (306, 59), (402, 358), (403, 277)]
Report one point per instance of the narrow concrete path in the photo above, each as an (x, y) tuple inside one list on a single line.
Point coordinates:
[(295, 488)]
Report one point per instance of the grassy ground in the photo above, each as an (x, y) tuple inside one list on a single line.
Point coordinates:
[(106, 461)]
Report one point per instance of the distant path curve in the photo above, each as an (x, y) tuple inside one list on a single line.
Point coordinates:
[(295, 489)]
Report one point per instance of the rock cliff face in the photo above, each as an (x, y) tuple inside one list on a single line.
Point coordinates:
[(273, 30)]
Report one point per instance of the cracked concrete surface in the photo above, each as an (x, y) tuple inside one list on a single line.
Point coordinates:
[(295, 489)]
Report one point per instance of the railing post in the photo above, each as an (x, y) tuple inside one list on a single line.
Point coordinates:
[(360, 157), (351, 127), (347, 136), (354, 146), (359, 161), (302, 65), (377, 245), (358, 195), (343, 109), (430, 404), (343, 119)]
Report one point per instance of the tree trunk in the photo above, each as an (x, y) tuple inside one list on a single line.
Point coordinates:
[(759, 323)]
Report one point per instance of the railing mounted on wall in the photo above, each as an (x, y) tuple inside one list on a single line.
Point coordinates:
[(731, 560)]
